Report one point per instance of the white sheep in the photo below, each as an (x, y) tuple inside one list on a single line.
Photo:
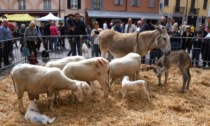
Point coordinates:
[(128, 65), (133, 86), (38, 79), (32, 114), (62, 62), (90, 70)]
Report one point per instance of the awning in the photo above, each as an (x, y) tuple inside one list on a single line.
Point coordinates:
[(48, 17), (117, 14), (19, 17)]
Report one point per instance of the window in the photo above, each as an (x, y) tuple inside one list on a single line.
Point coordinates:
[(151, 3), (166, 2), (47, 4), (205, 4), (22, 5), (118, 2), (97, 4), (74, 4), (135, 2)]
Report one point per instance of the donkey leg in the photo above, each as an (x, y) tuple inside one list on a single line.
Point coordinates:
[(166, 77), (184, 77), (188, 78)]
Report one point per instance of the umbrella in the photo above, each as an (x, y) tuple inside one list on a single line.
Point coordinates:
[(19, 17), (50, 16)]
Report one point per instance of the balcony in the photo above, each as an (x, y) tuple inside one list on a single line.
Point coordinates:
[(194, 10), (179, 9)]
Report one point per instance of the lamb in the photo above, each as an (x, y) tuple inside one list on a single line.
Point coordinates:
[(180, 59), (34, 115), (38, 79), (62, 62), (89, 70), (128, 65), (133, 86)]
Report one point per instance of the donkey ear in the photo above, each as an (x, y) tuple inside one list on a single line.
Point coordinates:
[(79, 93)]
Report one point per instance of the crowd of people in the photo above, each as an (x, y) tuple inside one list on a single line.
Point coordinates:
[(48, 34)]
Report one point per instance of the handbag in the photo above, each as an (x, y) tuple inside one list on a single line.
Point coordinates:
[(84, 48), (25, 52)]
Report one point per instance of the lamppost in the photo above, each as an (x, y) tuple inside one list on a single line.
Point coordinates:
[(186, 11), (59, 8)]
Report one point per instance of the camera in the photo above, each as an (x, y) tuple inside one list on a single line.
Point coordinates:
[(96, 32)]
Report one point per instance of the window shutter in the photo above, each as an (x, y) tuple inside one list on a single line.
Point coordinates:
[(68, 4), (121, 2), (131, 2), (138, 2), (151, 3), (79, 4), (101, 4), (92, 4), (49, 4), (116, 2)]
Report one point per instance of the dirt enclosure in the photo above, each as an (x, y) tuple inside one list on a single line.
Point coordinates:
[(166, 108)]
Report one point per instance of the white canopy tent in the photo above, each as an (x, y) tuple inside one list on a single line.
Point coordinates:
[(48, 17)]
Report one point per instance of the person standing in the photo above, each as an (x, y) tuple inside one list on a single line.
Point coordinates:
[(61, 28), (105, 25), (29, 42), (47, 34), (94, 34), (70, 28), (5, 34), (54, 40), (197, 48), (186, 42), (138, 26), (21, 33), (42, 33), (79, 31), (130, 28), (117, 27), (144, 27)]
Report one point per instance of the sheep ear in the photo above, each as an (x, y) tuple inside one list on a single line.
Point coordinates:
[(79, 93)]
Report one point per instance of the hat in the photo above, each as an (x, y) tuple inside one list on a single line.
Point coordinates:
[(188, 26), (117, 21)]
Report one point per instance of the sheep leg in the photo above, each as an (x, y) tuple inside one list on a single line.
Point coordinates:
[(56, 93), (137, 75), (105, 88), (124, 92), (51, 97), (145, 91), (166, 77), (20, 102)]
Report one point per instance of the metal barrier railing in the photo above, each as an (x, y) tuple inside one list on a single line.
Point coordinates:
[(10, 55), (61, 46)]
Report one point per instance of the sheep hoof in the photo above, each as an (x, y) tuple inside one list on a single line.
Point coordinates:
[(181, 91)]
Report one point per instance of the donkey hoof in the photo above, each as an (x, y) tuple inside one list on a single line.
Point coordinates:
[(181, 91)]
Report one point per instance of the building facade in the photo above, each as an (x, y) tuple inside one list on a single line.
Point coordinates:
[(192, 11), (38, 8), (107, 10)]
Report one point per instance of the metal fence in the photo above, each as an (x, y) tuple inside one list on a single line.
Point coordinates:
[(60, 46)]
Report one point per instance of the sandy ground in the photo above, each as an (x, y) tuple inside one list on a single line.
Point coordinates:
[(167, 107)]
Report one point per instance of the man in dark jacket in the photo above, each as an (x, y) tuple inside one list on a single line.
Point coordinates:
[(79, 30), (47, 33), (144, 27)]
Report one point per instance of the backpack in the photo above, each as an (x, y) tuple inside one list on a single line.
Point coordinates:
[(45, 56)]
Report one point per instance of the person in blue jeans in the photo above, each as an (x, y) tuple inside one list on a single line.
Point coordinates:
[(94, 34), (196, 48)]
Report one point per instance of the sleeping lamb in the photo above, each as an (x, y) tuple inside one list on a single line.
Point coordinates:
[(34, 115)]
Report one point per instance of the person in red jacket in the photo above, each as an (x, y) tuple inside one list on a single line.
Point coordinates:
[(54, 40)]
